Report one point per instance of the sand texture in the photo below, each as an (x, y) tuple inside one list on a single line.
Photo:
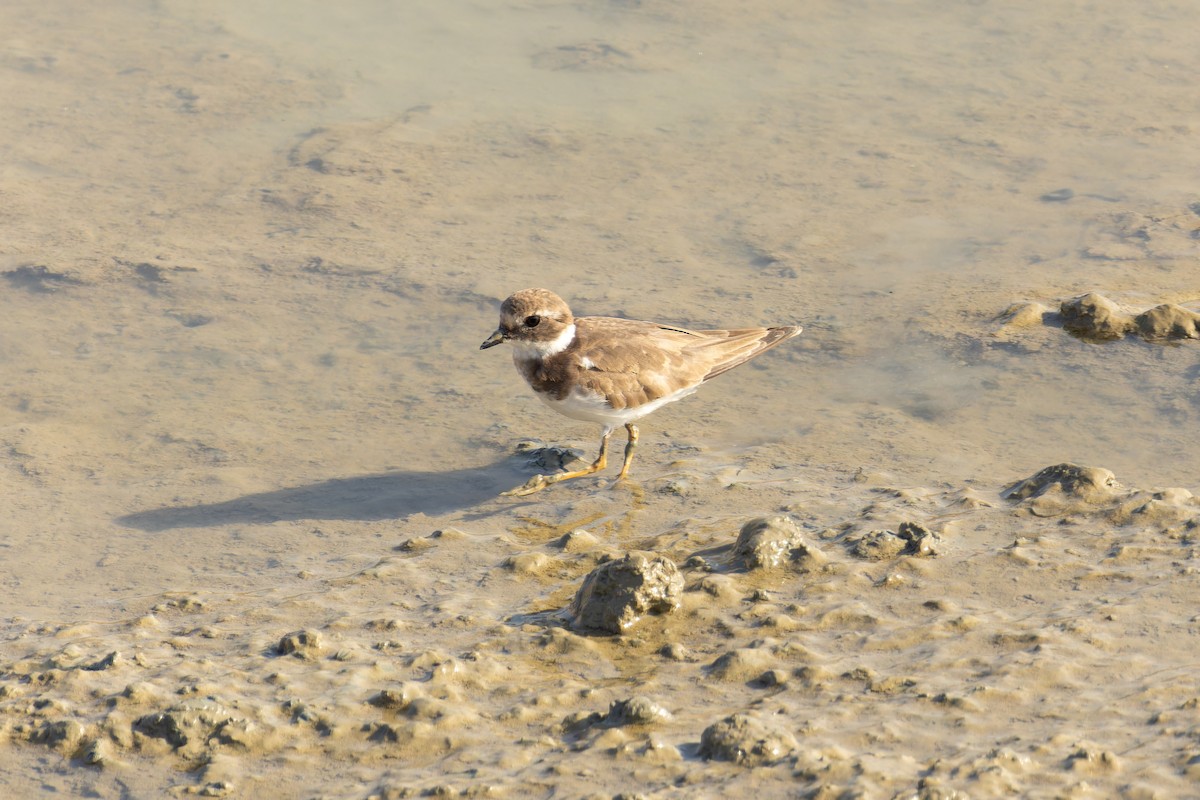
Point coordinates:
[(943, 544)]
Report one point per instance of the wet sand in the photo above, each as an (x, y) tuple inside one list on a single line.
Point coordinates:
[(252, 539)]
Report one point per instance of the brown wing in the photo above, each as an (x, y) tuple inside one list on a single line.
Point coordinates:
[(632, 362), (729, 349)]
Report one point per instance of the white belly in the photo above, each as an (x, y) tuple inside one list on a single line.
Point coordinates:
[(592, 407)]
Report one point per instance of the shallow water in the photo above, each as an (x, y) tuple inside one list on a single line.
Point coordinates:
[(249, 255)]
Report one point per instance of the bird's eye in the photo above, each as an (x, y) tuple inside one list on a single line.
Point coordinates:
[(532, 321)]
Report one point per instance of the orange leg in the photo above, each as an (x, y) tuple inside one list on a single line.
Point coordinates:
[(630, 446), (539, 482)]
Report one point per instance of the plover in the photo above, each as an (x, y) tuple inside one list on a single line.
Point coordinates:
[(614, 371)]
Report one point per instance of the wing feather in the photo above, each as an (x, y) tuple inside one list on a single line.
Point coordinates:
[(632, 362)]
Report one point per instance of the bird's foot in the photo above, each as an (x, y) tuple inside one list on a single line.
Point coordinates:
[(634, 488), (534, 484)]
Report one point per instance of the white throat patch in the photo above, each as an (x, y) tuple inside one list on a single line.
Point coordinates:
[(528, 351)]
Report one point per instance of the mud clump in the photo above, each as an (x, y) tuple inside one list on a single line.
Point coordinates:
[(1065, 488), (1025, 315), (745, 740), (617, 594), (1169, 321), (1090, 484), (1163, 508), (61, 734), (301, 644), (547, 458), (192, 726), (635, 711), (918, 540), (910, 540), (878, 546), (769, 542), (1093, 316), (743, 664), (109, 661)]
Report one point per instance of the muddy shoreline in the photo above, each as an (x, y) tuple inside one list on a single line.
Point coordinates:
[(942, 544)]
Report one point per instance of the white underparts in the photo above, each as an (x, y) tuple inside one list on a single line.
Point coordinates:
[(594, 407)]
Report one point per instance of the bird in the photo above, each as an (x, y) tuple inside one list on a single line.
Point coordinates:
[(614, 371)]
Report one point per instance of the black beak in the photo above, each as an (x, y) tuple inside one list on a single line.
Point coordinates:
[(493, 340)]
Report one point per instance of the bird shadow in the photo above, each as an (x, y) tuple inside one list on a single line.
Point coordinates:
[(387, 495)]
